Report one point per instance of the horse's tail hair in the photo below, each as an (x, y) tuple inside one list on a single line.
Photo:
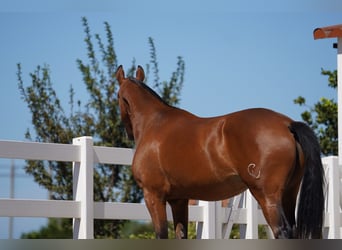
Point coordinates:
[(310, 210)]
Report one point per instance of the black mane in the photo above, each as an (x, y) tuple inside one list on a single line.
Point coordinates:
[(151, 91)]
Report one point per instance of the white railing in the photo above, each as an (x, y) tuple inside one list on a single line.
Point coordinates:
[(213, 220)]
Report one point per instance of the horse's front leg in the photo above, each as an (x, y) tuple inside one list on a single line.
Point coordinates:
[(180, 217), (157, 208)]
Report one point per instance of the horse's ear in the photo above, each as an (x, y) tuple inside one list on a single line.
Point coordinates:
[(120, 74), (140, 75)]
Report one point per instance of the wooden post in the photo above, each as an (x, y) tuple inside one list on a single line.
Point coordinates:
[(333, 196), (83, 189), (209, 220), (339, 98), (335, 31), (252, 217)]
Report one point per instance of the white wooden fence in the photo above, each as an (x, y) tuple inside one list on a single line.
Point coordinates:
[(213, 220)]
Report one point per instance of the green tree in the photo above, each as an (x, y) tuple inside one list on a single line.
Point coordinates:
[(54, 229), (99, 117), (322, 117)]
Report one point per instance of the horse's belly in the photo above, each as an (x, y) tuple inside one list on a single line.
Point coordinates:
[(209, 191)]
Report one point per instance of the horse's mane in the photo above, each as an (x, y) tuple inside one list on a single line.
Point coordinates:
[(151, 91)]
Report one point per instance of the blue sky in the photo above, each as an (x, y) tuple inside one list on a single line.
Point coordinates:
[(238, 54)]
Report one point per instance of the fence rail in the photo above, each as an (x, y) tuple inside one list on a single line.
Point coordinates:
[(213, 220)]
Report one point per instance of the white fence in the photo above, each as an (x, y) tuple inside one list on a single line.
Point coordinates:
[(213, 220)]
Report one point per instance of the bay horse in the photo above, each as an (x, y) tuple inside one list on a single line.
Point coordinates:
[(180, 156)]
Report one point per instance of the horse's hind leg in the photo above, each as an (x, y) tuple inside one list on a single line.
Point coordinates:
[(180, 217), (275, 214), (278, 202), (289, 204), (289, 199)]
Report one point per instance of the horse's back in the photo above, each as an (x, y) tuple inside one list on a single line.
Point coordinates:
[(259, 116), (258, 129)]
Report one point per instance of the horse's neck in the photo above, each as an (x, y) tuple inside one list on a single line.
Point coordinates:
[(144, 111), (146, 103)]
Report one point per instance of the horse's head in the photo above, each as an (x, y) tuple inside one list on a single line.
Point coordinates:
[(125, 109)]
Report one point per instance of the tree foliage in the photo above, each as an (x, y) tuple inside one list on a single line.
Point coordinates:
[(322, 117), (98, 117), (55, 229)]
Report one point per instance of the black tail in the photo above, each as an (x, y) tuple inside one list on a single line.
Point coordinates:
[(310, 212)]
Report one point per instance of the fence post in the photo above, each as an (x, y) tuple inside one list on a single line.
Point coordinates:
[(333, 196), (83, 186), (252, 216), (208, 230), (212, 221), (218, 220)]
